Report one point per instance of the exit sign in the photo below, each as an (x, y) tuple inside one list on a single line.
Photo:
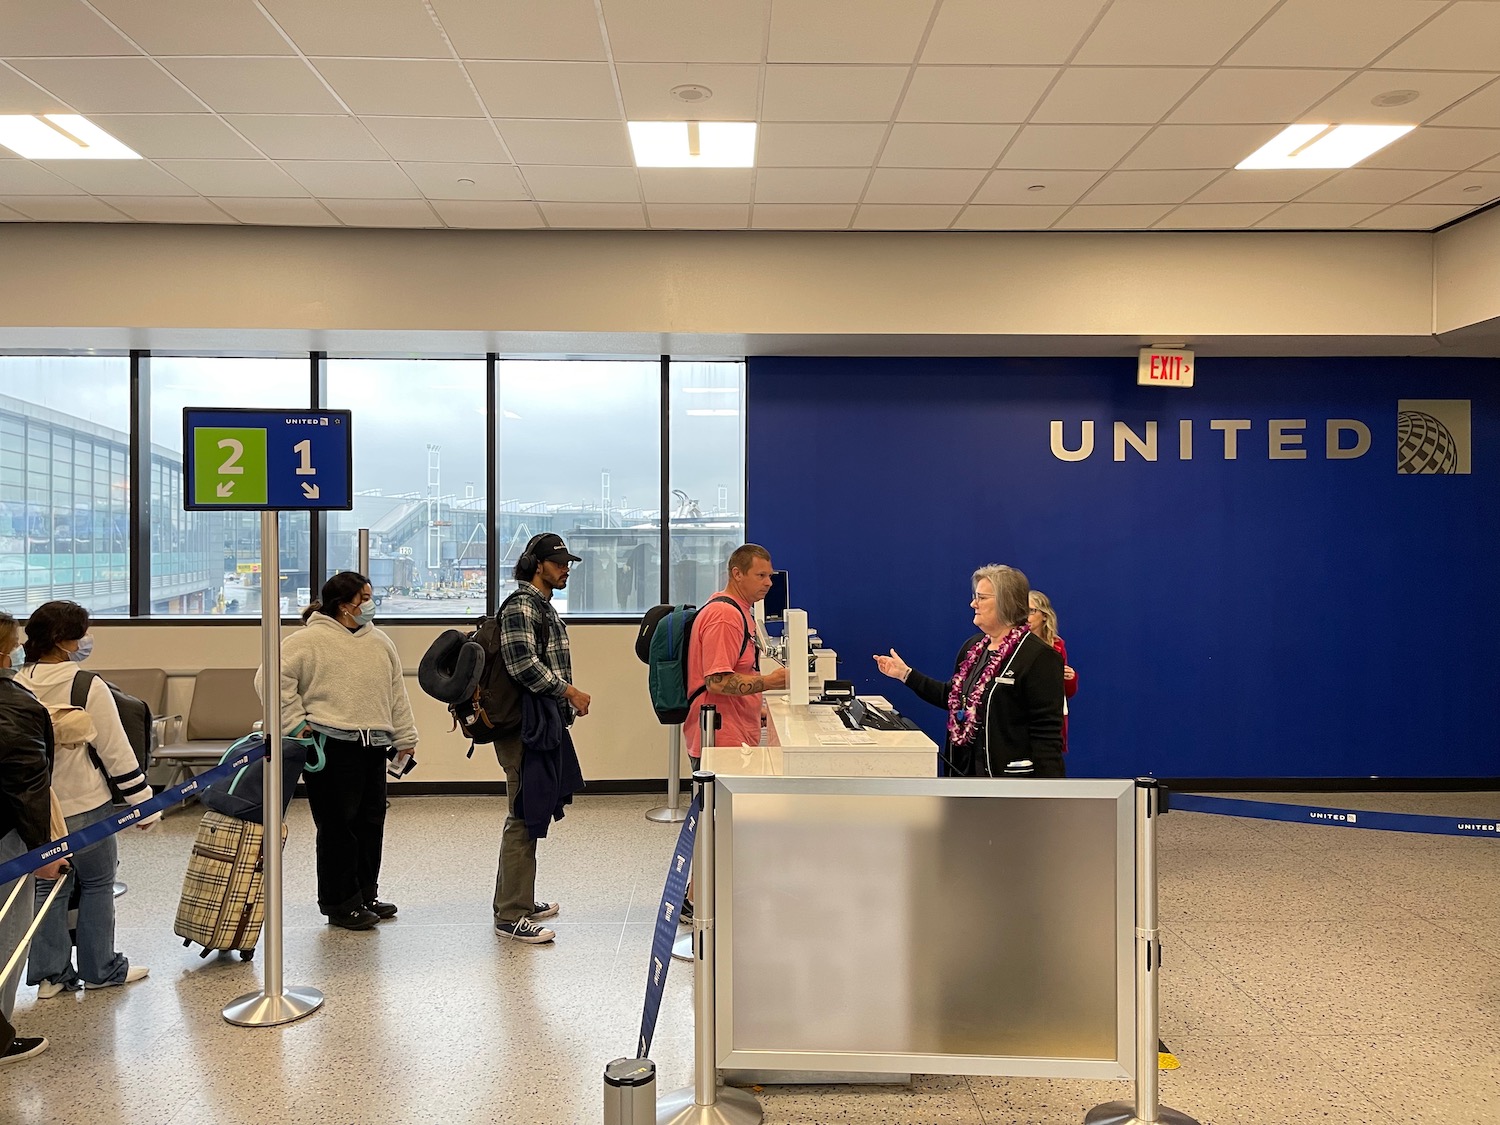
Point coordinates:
[(266, 460), (1163, 367)]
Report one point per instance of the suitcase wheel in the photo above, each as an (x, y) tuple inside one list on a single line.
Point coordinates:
[(246, 954)]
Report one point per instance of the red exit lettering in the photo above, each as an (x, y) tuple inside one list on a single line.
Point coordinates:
[(1166, 368)]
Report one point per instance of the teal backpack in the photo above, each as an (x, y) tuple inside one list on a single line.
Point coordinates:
[(662, 645)]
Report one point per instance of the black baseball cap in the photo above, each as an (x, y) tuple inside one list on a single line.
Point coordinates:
[(549, 547)]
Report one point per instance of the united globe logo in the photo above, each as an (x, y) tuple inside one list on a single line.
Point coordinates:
[(1432, 436)]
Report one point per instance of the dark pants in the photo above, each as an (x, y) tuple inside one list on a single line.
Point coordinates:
[(347, 797)]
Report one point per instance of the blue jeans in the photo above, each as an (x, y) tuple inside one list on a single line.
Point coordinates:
[(51, 951), (13, 928)]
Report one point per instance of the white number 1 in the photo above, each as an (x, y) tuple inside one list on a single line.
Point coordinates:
[(231, 467), (304, 447)]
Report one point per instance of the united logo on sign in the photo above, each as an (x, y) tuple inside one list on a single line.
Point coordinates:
[(1432, 436)]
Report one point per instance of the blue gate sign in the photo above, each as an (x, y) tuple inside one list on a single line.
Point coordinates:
[(267, 460)]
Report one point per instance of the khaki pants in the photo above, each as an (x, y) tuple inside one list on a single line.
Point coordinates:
[(515, 878)]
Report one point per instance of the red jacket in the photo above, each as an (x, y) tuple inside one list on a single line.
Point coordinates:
[(1069, 687)]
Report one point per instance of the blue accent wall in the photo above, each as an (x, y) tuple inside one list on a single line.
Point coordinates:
[(1245, 618)]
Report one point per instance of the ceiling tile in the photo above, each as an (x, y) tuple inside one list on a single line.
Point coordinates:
[(1009, 31), (1116, 95), (1353, 103), (646, 90), (1318, 216), (362, 28), (255, 85), (974, 93), (402, 87), (922, 185), (285, 136), (176, 135), (154, 209), (277, 212), (1072, 146), (1322, 32), (780, 144), (1053, 187), (134, 85), (22, 177), (560, 183), (945, 146), (1199, 146), (1456, 190), (593, 143), (698, 216), (998, 216), (64, 27), (522, 29), (486, 215), (1414, 216), (1480, 109), (1263, 185), (1215, 216), (1432, 147), (572, 90), (20, 95), (9, 216), (1149, 187), (1371, 185), (215, 27), (407, 213), (802, 216), (686, 30), (810, 185), (595, 216), (883, 31), (896, 216), (1115, 217), (1189, 32), (438, 138), (235, 178), (64, 208), (1261, 97), (831, 93), (697, 185), (117, 177), (351, 179), (1461, 38), (445, 181)]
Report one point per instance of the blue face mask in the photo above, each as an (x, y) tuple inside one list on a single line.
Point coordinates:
[(85, 647), (17, 656), (366, 613)]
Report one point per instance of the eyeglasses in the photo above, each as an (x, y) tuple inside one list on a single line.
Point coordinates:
[(982, 597)]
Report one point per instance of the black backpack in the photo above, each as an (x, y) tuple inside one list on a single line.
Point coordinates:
[(135, 717), (465, 671)]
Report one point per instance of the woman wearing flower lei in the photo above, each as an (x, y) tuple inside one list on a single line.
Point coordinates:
[(1005, 698)]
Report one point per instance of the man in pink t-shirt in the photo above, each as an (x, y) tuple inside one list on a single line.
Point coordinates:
[(722, 656)]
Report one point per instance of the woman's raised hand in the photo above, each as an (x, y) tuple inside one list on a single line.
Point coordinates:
[(892, 666)]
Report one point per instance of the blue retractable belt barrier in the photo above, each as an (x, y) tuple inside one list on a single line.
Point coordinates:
[(1483, 827), (666, 926), (115, 822)]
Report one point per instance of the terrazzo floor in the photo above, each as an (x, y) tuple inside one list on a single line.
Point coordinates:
[(1311, 975)]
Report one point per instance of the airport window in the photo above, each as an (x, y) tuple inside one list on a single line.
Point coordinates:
[(580, 454), (209, 562), (419, 468), (707, 476), (65, 482)]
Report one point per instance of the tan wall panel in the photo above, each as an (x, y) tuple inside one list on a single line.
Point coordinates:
[(1467, 273)]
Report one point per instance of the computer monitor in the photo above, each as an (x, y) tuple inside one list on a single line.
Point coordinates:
[(776, 598)]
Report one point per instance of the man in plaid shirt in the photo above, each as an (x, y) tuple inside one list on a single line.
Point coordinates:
[(545, 669)]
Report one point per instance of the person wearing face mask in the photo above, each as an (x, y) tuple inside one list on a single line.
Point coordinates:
[(341, 678), (1005, 697), (57, 641)]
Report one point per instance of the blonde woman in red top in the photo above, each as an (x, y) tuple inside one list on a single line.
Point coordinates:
[(1043, 622)]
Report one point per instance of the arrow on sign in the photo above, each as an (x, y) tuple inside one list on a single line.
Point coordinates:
[(309, 490), (225, 489)]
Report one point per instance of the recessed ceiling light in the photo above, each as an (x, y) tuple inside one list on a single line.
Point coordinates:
[(60, 136), (1323, 146), (1395, 97), (692, 92), (693, 144), (466, 181), (1474, 187), (1037, 187)]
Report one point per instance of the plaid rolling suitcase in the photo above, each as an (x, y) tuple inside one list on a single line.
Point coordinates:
[(223, 902)]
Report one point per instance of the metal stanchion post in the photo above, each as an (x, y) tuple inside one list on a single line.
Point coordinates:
[(705, 1103), (275, 1003), (670, 813), (1146, 1110), (630, 1092), (708, 724)]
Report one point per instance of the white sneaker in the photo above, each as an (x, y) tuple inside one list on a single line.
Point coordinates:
[(132, 974), (50, 988)]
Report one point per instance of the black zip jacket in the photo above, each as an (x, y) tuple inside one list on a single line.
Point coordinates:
[(25, 765)]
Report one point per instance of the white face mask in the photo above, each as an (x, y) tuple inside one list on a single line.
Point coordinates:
[(366, 612), (17, 656), (81, 653)]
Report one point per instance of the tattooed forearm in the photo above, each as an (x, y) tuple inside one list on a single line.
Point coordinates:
[(734, 683)]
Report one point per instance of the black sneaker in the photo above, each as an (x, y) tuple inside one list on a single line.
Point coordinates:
[(525, 930), (381, 910), (360, 919), (544, 910), (23, 1047), (686, 917)]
